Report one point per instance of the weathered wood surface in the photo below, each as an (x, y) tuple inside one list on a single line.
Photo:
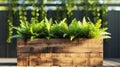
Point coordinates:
[(60, 46), (63, 52), (62, 59)]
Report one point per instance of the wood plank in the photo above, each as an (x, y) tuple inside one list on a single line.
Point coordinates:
[(42, 45), (55, 66), (62, 49), (62, 59), (30, 66), (67, 66), (23, 62), (96, 61), (78, 49), (18, 66), (41, 60), (22, 59), (96, 55), (80, 66), (91, 42), (42, 66), (61, 46), (45, 41)]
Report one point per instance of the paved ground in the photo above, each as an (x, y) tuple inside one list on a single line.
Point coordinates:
[(11, 62), (112, 62)]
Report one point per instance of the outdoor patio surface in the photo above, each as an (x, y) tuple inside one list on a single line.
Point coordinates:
[(11, 62)]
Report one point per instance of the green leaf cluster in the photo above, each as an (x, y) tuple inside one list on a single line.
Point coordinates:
[(31, 30), (47, 29), (59, 30)]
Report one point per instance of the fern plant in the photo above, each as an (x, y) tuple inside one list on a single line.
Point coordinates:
[(84, 28), (22, 30), (97, 32), (31, 30), (91, 30), (59, 30), (47, 29), (87, 29), (37, 29), (73, 29)]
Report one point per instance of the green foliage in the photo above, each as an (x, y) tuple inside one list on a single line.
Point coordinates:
[(70, 7), (59, 30), (47, 29), (12, 11), (38, 29), (73, 29), (84, 28), (10, 25), (97, 10), (65, 11), (38, 11), (87, 29), (48, 26), (31, 30), (22, 30), (97, 32)]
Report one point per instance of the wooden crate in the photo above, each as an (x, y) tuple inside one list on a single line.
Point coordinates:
[(62, 52)]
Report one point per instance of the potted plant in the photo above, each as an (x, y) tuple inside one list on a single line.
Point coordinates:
[(46, 43)]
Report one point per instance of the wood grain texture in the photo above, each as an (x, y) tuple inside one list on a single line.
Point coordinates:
[(60, 46), (60, 52), (19, 66), (68, 66), (42, 66), (22, 59)]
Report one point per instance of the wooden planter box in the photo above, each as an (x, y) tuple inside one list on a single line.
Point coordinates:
[(62, 52)]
